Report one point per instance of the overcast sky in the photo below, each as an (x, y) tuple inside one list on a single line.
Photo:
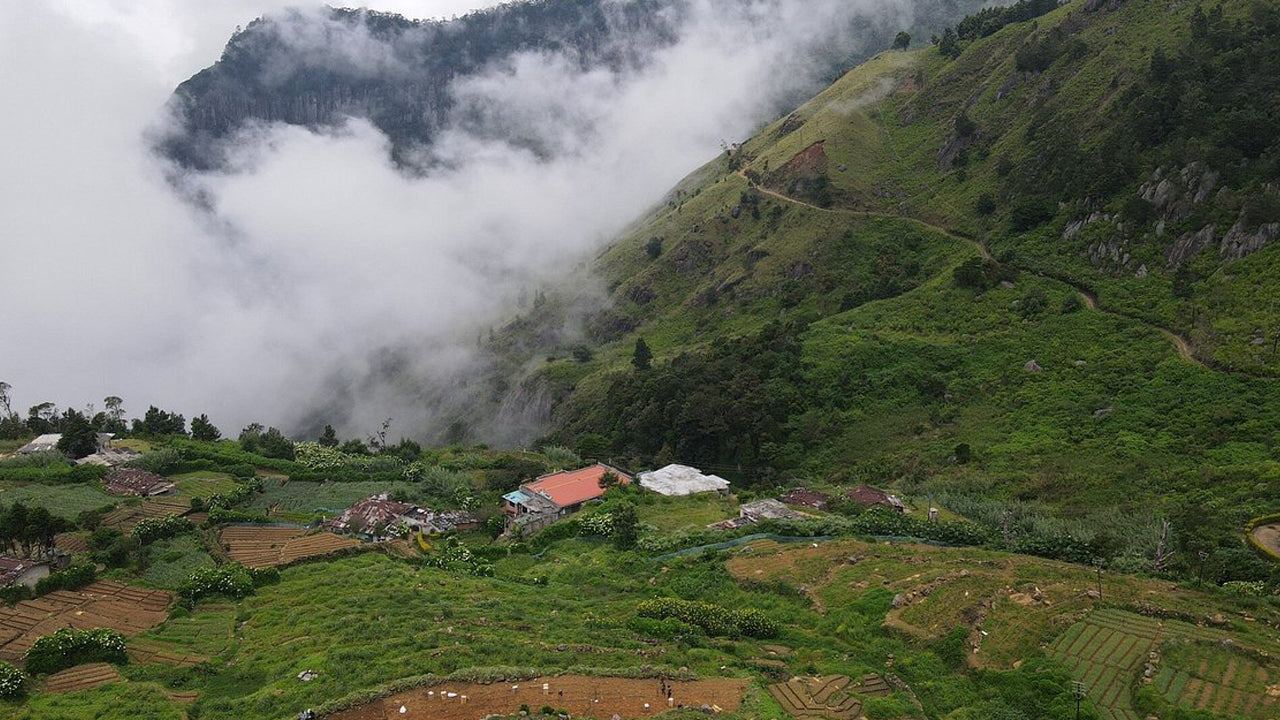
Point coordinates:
[(321, 252)]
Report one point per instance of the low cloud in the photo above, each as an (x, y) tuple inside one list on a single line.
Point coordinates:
[(320, 278)]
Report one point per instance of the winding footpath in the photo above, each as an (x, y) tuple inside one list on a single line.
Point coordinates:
[(1179, 343)]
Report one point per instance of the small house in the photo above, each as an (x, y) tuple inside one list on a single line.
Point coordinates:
[(680, 480), (561, 493), (868, 496), (139, 483), (22, 572)]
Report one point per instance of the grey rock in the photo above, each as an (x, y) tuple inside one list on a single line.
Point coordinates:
[(1033, 367)]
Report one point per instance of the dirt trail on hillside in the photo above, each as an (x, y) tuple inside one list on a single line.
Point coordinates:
[(1180, 343)]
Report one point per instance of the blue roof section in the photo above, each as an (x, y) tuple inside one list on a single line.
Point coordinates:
[(516, 497)]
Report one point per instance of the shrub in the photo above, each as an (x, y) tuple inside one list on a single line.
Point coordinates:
[(69, 647), (230, 580), (711, 618), (73, 577), (160, 462), (162, 528), (11, 594), (12, 682)]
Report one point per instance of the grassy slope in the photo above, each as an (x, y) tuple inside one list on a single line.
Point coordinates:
[(1035, 435), (369, 619)]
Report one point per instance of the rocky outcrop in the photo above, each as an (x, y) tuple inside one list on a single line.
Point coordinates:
[(1175, 194), (1240, 242), (1189, 244)]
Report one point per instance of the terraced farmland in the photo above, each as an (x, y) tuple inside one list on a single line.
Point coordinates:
[(1219, 679), (81, 677), (258, 547), (1108, 649), (103, 604), (125, 517), (830, 697)]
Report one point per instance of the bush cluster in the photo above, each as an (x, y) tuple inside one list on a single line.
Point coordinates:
[(711, 618), (12, 682), (230, 580), (73, 577), (69, 647), (161, 528)]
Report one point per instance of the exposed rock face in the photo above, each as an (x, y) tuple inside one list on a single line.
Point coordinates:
[(1190, 244), (1238, 242), (1174, 195)]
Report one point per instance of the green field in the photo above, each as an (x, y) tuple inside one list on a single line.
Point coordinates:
[(1109, 648), (302, 500), (204, 483), (62, 500), (171, 561), (673, 514)]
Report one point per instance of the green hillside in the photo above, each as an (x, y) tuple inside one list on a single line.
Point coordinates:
[(901, 283)]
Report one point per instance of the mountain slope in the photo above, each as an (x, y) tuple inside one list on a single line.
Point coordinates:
[(316, 69), (824, 305)]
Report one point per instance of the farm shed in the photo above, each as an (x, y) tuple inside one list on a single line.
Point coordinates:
[(875, 497), (679, 480), (22, 572), (132, 481)]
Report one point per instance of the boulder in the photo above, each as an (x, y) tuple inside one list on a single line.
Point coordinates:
[(1033, 367)]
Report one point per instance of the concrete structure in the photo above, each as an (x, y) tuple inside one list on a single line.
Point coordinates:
[(767, 510), (22, 572), (679, 480)]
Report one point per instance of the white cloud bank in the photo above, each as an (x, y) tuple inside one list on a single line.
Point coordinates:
[(322, 257)]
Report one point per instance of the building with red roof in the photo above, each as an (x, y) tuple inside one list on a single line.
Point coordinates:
[(561, 493)]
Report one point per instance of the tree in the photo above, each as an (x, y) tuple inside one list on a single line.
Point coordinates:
[(1183, 282), (78, 436), (610, 480), (653, 248), (625, 526), (643, 357), (949, 44), (202, 429), (902, 40), (329, 438), (115, 407), (157, 422), (40, 418)]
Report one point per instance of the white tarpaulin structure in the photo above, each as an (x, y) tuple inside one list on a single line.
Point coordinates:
[(676, 480)]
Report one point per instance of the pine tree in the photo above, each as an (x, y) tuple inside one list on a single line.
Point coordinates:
[(643, 357)]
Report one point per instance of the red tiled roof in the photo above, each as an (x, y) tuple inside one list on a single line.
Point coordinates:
[(577, 486)]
